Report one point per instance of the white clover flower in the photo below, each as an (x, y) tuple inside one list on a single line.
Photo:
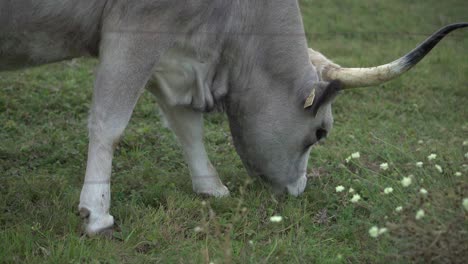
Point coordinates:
[(420, 141), (420, 214), (251, 242), (388, 190), (419, 164), (423, 191), (374, 231), (399, 209), (438, 168), (406, 181), (340, 188), (354, 155), (197, 229), (356, 198), (276, 219), (382, 230), (203, 203), (458, 174), (351, 190), (384, 166), (465, 143), (432, 156), (465, 203)]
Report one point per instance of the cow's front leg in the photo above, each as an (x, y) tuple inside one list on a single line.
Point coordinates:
[(187, 125), (120, 80)]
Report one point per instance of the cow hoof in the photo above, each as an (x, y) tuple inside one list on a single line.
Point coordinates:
[(210, 186), (219, 191), (216, 193), (95, 224)]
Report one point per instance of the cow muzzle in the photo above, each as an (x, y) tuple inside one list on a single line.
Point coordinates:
[(297, 188)]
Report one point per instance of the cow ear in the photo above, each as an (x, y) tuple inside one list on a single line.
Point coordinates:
[(321, 94), (310, 99)]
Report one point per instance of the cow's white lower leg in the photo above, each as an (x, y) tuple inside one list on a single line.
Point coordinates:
[(205, 179), (188, 127), (95, 195), (120, 79)]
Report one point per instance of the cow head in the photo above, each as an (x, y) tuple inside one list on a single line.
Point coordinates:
[(274, 137), (274, 128)]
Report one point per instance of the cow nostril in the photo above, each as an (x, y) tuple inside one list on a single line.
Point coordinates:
[(321, 133)]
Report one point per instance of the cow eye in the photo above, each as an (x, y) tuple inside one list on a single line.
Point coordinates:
[(320, 133)]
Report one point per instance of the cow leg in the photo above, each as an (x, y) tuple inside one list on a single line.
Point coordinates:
[(120, 79), (187, 125)]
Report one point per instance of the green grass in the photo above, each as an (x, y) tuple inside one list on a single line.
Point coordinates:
[(43, 142)]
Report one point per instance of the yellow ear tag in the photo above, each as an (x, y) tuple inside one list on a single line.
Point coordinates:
[(310, 99)]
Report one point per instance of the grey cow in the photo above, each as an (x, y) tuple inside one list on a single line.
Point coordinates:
[(249, 58)]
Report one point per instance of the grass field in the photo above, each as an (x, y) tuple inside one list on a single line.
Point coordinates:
[(43, 145)]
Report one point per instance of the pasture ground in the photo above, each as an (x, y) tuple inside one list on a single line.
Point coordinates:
[(43, 143)]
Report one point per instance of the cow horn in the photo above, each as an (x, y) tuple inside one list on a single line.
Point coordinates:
[(361, 77)]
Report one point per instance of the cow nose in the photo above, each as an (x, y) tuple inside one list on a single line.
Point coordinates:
[(297, 188)]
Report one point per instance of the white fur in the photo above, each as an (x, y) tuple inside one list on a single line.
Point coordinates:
[(120, 79)]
